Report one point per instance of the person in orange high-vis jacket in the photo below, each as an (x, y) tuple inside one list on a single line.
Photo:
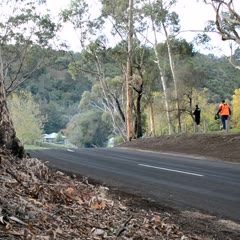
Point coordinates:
[(225, 111)]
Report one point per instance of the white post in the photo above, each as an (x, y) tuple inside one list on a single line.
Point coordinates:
[(205, 126), (227, 125), (195, 127)]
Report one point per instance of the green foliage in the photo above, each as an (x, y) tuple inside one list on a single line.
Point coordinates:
[(202, 39), (117, 140), (114, 8), (59, 84), (24, 33), (24, 24), (57, 93), (160, 14), (59, 137), (26, 116), (117, 10), (89, 130), (236, 109), (208, 111), (219, 76), (180, 48), (99, 68)]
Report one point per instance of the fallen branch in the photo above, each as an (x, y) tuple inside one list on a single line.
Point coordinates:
[(123, 228)]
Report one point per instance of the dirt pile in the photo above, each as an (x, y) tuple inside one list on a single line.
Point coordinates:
[(219, 145)]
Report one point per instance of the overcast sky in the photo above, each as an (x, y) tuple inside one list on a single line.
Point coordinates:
[(193, 16)]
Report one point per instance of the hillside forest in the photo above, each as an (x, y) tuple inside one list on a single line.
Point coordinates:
[(140, 87)]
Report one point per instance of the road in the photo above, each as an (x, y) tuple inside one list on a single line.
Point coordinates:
[(181, 182)]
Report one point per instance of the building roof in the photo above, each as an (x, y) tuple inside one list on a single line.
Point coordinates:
[(52, 136)]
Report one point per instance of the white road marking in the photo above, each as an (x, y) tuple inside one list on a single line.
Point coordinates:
[(171, 170), (70, 150)]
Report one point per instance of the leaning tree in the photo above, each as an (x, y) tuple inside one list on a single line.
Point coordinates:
[(24, 30), (227, 23)]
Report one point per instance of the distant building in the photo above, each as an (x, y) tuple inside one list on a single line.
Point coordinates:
[(52, 138)]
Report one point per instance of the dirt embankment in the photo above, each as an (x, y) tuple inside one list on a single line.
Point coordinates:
[(221, 145)]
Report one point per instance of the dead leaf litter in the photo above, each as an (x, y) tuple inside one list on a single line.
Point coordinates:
[(37, 203)]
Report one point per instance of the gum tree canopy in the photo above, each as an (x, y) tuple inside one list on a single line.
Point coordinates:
[(23, 32), (227, 23)]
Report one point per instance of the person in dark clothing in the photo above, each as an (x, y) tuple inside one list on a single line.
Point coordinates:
[(197, 115)]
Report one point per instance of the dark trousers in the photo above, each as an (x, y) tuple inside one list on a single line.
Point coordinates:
[(224, 119), (197, 120)]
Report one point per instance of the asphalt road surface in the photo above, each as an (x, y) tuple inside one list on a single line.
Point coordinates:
[(181, 182)]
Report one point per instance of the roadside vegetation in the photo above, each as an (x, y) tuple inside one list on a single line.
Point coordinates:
[(141, 86), (83, 94)]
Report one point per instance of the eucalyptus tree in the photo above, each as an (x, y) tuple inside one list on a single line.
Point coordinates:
[(151, 89), (165, 26), (191, 79), (107, 87), (23, 28), (169, 22), (128, 24), (162, 21), (112, 110), (129, 71), (122, 15), (94, 60), (227, 22), (96, 63), (144, 79), (182, 53)]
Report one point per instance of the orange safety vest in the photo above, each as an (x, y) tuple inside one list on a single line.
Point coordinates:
[(225, 109)]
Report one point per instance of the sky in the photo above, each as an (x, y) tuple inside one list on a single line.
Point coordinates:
[(193, 16)]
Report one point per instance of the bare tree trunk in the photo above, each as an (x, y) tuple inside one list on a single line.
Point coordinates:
[(152, 124), (8, 137), (139, 90), (129, 75), (111, 102), (163, 80), (171, 62), (164, 85), (138, 123)]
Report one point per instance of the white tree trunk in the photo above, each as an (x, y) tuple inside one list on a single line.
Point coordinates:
[(171, 62), (130, 133), (152, 124), (163, 80)]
